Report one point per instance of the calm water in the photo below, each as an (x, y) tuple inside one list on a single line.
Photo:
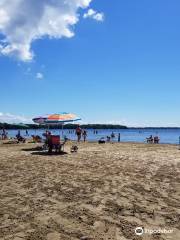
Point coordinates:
[(127, 135)]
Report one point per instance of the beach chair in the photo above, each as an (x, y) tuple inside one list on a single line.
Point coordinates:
[(54, 142)]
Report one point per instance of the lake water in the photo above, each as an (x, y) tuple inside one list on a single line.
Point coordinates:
[(127, 135)]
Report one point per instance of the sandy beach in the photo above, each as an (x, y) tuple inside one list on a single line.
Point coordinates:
[(102, 192)]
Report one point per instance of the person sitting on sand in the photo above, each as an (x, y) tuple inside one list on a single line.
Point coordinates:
[(19, 137), (36, 138), (48, 137), (101, 140), (150, 139), (156, 139)]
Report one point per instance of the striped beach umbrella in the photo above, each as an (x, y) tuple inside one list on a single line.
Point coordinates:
[(56, 119), (40, 120), (61, 118)]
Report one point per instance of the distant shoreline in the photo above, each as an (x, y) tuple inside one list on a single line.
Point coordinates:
[(73, 126)]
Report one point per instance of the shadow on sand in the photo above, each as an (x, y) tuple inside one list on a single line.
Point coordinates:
[(46, 153), (11, 142), (32, 149)]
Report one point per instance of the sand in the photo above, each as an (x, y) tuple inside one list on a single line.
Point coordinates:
[(102, 192)]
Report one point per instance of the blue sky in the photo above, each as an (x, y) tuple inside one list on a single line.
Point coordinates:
[(123, 69)]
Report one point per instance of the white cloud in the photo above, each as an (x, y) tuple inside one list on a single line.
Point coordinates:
[(10, 118), (39, 75), (24, 21), (91, 13)]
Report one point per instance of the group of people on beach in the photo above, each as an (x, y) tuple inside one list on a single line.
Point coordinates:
[(81, 133), (4, 134), (113, 136), (152, 139)]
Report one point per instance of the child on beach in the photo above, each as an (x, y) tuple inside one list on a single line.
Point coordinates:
[(84, 133)]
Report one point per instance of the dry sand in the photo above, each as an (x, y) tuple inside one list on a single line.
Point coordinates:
[(101, 192)]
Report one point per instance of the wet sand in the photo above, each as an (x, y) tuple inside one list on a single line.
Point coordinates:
[(102, 192)]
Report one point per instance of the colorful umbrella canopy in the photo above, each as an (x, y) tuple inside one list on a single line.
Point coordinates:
[(55, 119)]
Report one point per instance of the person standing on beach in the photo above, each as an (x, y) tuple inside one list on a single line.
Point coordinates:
[(112, 135), (84, 133), (119, 137), (18, 134), (4, 134), (78, 133)]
